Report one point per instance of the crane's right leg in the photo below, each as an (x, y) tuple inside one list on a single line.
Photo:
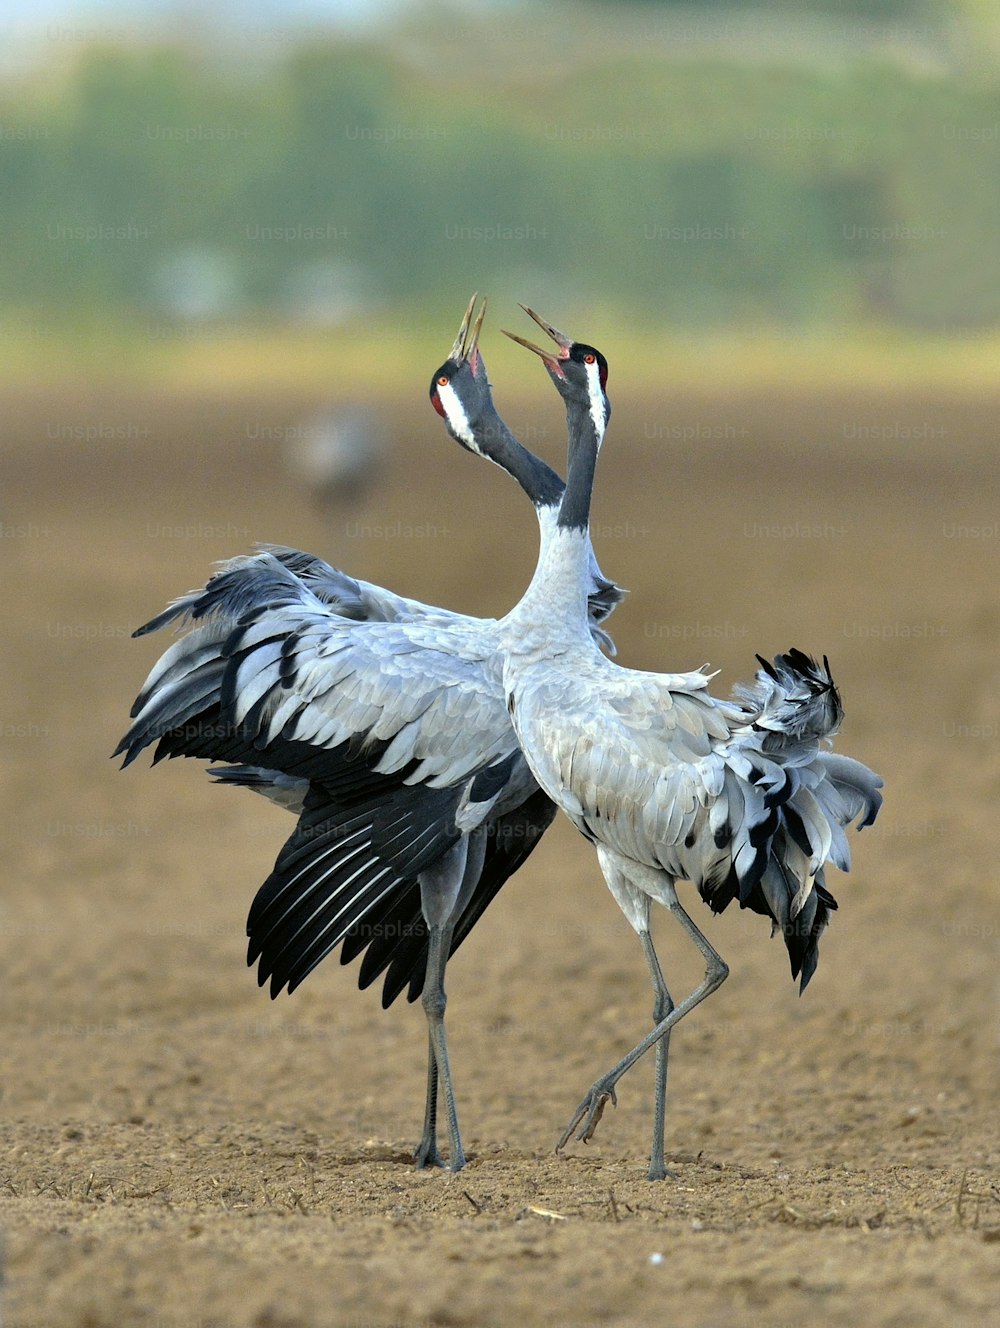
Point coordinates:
[(662, 1006), (634, 886), (592, 1107), (434, 1001)]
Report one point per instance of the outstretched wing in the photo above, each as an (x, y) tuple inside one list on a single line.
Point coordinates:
[(269, 664), (349, 875), (361, 727), (341, 863)]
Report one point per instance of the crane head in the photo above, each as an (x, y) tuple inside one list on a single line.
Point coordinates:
[(579, 370), (460, 389)]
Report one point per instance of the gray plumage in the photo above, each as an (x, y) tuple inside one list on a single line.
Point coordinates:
[(738, 796), (382, 723)]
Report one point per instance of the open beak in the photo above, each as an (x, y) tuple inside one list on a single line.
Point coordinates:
[(472, 351), (562, 341), (458, 350)]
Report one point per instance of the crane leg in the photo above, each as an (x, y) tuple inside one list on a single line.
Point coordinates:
[(444, 894), (427, 1154), (662, 1006), (434, 1001), (592, 1107)]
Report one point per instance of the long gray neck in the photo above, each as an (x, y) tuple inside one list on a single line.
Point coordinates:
[(553, 612), (539, 481), (584, 443)]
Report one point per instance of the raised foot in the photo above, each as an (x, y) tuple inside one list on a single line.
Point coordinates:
[(592, 1107)]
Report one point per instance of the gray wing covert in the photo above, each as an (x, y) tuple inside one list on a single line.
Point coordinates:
[(267, 655), (350, 597), (420, 689)]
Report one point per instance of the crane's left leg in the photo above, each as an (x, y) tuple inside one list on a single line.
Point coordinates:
[(444, 891), (427, 1154)]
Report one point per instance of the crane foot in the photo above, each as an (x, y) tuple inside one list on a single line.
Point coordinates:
[(590, 1111)]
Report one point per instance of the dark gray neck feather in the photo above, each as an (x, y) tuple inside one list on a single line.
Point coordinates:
[(574, 511), (539, 481)]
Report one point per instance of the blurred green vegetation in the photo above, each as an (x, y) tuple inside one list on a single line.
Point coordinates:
[(167, 187)]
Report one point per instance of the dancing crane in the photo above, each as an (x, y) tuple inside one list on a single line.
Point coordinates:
[(382, 723), (669, 783)]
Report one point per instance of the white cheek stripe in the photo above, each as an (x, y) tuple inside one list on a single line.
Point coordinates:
[(456, 416), (596, 401)]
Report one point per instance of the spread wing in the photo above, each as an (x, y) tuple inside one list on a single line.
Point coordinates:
[(389, 739), (358, 710), (349, 875), (387, 924), (268, 664)]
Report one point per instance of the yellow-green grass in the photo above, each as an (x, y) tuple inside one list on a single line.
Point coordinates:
[(390, 355)]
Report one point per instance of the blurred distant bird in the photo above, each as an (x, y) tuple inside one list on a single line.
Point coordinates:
[(338, 453), (383, 724), (666, 781)]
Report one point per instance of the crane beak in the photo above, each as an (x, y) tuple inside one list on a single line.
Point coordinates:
[(472, 351), (564, 342), (550, 361), (458, 351)]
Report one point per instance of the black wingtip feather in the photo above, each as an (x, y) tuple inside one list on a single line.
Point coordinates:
[(768, 667), (401, 952)]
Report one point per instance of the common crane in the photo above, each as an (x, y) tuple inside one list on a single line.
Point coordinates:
[(338, 453), (669, 783), (381, 722)]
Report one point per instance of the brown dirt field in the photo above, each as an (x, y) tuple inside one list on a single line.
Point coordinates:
[(180, 1152)]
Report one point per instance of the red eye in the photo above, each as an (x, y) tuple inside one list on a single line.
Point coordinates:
[(443, 381), (590, 359)]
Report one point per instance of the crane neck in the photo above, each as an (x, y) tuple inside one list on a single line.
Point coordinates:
[(584, 445), (553, 612), (538, 480)]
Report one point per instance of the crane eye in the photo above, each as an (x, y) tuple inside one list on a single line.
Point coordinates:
[(443, 381), (589, 358)]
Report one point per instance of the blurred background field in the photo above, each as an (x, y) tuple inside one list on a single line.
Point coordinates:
[(778, 190), (230, 237)]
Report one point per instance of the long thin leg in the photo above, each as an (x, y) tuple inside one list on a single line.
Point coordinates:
[(444, 895), (662, 1006), (434, 1001), (427, 1154), (716, 972)]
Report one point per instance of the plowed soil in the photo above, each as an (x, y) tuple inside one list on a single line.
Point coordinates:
[(179, 1151)]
